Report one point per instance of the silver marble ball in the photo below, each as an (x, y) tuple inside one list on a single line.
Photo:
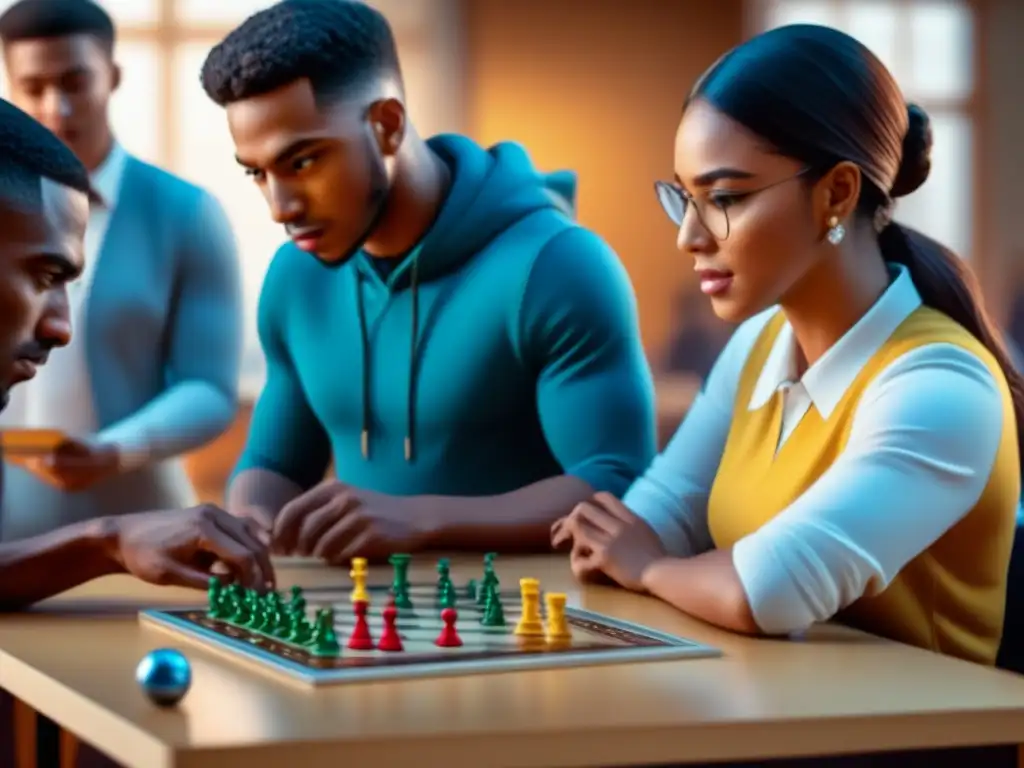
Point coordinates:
[(165, 676)]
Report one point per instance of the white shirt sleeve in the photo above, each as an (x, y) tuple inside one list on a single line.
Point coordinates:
[(672, 495), (921, 449)]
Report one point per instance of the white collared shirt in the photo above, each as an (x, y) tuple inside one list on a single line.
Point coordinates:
[(926, 429), (60, 395)]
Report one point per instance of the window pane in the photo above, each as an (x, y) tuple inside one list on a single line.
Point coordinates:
[(874, 23), (226, 12), (942, 207), (126, 12), (942, 50), (779, 13), (135, 110), (205, 156), (401, 13)]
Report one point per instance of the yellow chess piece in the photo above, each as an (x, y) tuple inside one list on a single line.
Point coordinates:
[(557, 629), (530, 624), (358, 575)]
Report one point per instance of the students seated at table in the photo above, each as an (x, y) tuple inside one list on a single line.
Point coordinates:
[(440, 329), (854, 454), (44, 207)]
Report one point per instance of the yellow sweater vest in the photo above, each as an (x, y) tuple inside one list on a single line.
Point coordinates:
[(948, 599)]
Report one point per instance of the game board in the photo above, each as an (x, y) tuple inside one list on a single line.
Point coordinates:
[(593, 638)]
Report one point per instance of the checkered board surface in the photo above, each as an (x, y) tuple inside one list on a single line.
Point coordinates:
[(596, 639)]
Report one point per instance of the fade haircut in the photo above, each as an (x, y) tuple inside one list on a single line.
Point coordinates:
[(29, 153), (338, 45), (43, 19)]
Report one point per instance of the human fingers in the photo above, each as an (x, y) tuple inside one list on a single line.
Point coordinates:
[(336, 538), (169, 571), (288, 523), (246, 533), (598, 523), (318, 521), (614, 507), (225, 545), (364, 544)]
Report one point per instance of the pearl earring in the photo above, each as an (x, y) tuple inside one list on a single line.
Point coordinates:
[(836, 231)]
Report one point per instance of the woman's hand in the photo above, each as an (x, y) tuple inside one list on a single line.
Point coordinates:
[(607, 538)]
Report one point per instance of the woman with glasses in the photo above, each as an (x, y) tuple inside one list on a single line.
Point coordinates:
[(854, 454)]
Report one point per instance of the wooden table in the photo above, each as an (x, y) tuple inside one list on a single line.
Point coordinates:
[(835, 690)]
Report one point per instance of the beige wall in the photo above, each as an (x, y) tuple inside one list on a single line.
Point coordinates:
[(597, 86)]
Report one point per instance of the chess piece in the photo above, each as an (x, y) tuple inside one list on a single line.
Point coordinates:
[(359, 573), (530, 624), (215, 599), (494, 612), (298, 602), (299, 630), (448, 595), (400, 584), (361, 639), (324, 641), (557, 627), (449, 637), (390, 640)]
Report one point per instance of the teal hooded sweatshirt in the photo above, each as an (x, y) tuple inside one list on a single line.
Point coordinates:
[(503, 350)]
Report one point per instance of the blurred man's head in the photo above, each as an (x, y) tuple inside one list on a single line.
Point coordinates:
[(59, 60), (313, 93), (44, 206)]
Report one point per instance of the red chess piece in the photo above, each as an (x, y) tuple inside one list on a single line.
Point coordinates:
[(360, 639), (448, 638), (390, 640)]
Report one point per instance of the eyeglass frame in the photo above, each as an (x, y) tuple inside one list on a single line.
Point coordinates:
[(684, 197)]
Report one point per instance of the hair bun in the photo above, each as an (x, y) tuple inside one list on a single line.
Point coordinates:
[(917, 153)]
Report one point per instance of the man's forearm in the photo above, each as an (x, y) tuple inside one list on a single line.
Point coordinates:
[(35, 569), (520, 519), (260, 491), (183, 418)]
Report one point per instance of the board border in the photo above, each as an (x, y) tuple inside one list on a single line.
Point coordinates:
[(672, 648)]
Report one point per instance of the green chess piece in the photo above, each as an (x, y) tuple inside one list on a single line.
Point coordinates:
[(299, 628), (449, 598), (494, 612), (250, 609), (488, 585), (324, 641), (471, 589), (277, 617), (400, 583), (298, 602), (215, 599)]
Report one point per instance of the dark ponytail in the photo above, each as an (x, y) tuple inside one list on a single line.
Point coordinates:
[(818, 95), (943, 279)]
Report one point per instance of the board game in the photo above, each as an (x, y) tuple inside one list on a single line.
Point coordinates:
[(333, 635)]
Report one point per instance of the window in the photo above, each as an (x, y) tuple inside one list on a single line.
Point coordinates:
[(162, 115), (928, 45)]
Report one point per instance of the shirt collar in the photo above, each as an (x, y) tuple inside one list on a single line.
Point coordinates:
[(106, 179), (832, 374)]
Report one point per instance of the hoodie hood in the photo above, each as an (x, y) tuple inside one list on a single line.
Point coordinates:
[(491, 189)]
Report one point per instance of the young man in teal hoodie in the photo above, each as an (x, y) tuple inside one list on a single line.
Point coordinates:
[(467, 355)]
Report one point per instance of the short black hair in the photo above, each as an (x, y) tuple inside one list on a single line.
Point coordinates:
[(40, 19), (30, 153), (338, 45)]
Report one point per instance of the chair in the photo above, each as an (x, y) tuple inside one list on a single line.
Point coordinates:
[(1011, 650)]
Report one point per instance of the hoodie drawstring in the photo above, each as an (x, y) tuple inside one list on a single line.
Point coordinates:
[(410, 428)]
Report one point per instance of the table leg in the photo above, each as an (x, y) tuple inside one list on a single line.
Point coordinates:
[(68, 749), (24, 718)]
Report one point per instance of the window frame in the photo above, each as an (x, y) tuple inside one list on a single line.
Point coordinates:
[(972, 106)]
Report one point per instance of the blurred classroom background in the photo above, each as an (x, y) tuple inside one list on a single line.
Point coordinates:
[(596, 86)]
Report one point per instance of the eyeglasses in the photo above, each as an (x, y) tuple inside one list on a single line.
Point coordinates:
[(713, 211)]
